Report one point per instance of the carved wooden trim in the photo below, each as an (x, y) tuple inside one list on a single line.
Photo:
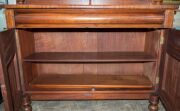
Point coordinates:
[(154, 101), (27, 103), (10, 18), (169, 16), (157, 1), (20, 1)]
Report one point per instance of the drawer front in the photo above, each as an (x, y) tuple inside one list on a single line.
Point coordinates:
[(89, 18)]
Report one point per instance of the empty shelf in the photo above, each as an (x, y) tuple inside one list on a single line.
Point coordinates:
[(91, 81), (67, 57)]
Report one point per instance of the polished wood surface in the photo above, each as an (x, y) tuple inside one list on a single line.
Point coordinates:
[(173, 45), (91, 18), (94, 16), (9, 76), (170, 73), (80, 57), (90, 81), (90, 49), (55, 6), (60, 2)]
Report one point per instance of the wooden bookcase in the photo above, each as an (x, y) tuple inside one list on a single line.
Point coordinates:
[(83, 50), (89, 59)]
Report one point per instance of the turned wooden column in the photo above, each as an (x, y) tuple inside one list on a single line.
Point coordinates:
[(26, 103), (154, 101)]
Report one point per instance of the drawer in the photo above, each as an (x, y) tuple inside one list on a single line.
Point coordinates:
[(88, 18)]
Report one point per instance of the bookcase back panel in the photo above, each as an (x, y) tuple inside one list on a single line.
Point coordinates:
[(103, 69), (89, 41)]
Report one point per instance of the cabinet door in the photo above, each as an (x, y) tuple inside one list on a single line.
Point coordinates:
[(9, 73), (170, 72), (177, 106)]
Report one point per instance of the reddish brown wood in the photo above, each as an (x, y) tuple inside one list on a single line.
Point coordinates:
[(60, 2), (27, 103), (170, 73), (90, 81), (92, 19), (154, 101), (126, 6), (173, 45), (177, 100), (88, 49), (90, 57), (89, 96), (119, 2), (9, 75), (10, 19)]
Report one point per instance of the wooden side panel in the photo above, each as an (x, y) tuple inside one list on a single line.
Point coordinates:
[(9, 76), (26, 47), (152, 47)]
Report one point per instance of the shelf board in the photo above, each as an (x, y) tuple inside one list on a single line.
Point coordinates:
[(82, 57), (90, 81)]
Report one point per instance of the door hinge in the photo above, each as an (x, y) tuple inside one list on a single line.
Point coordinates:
[(157, 80), (161, 40)]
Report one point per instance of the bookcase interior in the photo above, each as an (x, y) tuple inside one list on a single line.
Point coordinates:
[(89, 59)]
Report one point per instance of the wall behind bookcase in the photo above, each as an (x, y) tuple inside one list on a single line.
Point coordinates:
[(177, 20)]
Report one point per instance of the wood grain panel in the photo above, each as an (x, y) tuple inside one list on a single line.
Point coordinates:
[(81, 95), (152, 47), (10, 18), (89, 40), (89, 57), (60, 2), (169, 83), (173, 45), (26, 47), (9, 75), (119, 2), (54, 18), (90, 81), (136, 68), (127, 6), (79, 18)]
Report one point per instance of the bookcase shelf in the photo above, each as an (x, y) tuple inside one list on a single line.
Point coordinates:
[(87, 81), (91, 57)]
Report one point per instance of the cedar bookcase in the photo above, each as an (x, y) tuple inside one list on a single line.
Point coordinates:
[(84, 50)]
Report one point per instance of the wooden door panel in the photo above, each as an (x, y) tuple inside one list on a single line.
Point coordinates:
[(9, 75), (170, 71), (177, 106)]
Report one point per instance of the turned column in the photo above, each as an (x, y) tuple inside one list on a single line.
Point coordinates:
[(26, 103), (154, 101)]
